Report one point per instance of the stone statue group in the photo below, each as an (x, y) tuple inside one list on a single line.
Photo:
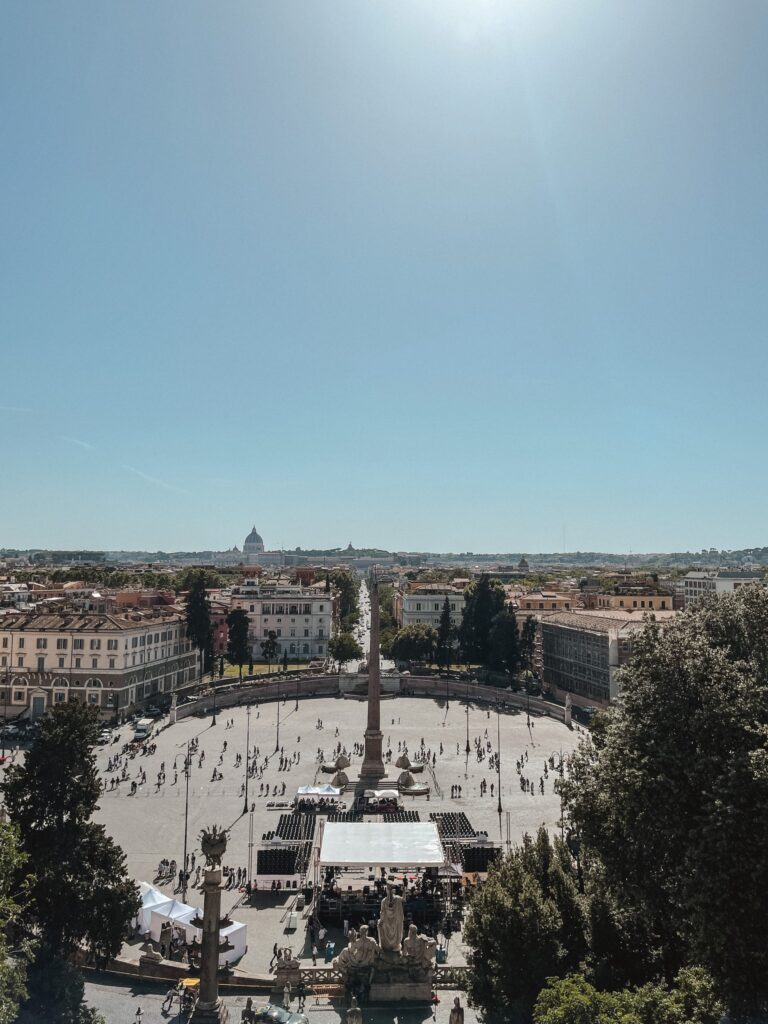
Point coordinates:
[(415, 952)]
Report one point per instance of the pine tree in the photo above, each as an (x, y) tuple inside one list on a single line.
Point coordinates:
[(198, 612), (445, 635), (238, 649)]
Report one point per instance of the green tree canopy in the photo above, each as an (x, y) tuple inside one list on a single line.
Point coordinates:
[(446, 635), (238, 648), (671, 793), (525, 925), (344, 647), (80, 891), (483, 600), (198, 615), (347, 585), (504, 643), (13, 963), (416, 642), (269, 647)]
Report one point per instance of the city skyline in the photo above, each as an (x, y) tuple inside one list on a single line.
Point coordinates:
[(456, 276)]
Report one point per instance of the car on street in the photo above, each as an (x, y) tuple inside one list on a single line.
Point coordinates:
[(105, 736), (271, 1014)]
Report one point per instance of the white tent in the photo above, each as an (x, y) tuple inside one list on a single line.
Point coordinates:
[(151, 899), (236, 935), (174, 913), (326, 790), (363, 844)]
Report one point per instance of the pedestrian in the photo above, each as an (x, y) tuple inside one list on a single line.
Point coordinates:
[(169, 997), (314, 956)]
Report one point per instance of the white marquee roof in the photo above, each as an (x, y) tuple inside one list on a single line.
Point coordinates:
[(375, 843)]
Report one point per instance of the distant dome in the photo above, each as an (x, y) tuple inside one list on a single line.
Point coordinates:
[(253, 543)]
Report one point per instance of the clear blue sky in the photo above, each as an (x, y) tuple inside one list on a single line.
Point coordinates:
[(456, 275)]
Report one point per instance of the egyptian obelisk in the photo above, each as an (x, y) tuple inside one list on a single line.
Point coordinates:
[(373, 763)]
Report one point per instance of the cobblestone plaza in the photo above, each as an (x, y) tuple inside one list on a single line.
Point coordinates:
[(150, 825)]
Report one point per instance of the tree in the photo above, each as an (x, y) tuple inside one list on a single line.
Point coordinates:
[(445, 636), (80, 892), (344, 647), (12, 965), (416, 642), (573, 1000), (347, 587), (285, 661), (482, 602), (198, 613), (269, 648), (238, 648), (504, 643), (527, 642), (671, 794), (525, 925)]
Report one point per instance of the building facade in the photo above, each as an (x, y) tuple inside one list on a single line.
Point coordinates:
[(700, 584), (115, 662), (581, 652), (300, 617), (425, 604)]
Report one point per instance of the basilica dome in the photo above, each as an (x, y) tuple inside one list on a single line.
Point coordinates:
[(253, 543)]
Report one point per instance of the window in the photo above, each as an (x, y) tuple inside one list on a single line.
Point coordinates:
[(21, 643), (319, 648), (111, 662), (437, 607), (94, 662), (134, 641), (18, 695), (279, 632), (253, 608), (78, 643), (20, 662), (5, 641), (41, 664), (320, 632), (59, 698), (322, 607), (61, 663), (4, 660), (78, 662), (95, 645), (111, 645), (93, 698), (266, 632), (306, 632), (61, 644), (418, 606), (293, 632)]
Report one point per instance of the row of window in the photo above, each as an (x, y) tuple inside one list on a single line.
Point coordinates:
[(437, 607), (78, 642), (279, 632), (286, 609)]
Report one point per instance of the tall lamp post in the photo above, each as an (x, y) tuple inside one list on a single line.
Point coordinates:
[(277, 735), (187, 770), (247, 755), (498, 759), (297, 693)]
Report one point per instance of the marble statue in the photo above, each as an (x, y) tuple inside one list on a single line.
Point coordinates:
[(355, 1014), (457, 1012), (361, 950), (418, 949), (391, 921)]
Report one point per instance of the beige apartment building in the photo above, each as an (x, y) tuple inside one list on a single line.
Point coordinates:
[(115, 662)]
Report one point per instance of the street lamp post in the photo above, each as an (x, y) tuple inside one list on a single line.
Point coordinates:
[(467, 707), (187, 769), (297, 693), (247, 755), (498, 759), (277, 735)]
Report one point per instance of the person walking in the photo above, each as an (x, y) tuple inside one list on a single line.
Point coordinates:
[(314, 956)]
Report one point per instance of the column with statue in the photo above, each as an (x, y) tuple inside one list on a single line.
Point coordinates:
[(210, 1009)]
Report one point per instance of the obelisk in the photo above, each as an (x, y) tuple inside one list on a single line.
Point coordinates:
[(373, 763)]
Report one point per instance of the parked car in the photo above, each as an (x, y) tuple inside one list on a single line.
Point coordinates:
[(105, 736), (271, 1014)]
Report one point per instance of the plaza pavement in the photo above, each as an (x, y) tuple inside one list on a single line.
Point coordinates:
[(118, 1003), (150, 825)]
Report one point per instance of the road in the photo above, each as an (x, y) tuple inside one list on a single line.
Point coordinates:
[(363, 635)]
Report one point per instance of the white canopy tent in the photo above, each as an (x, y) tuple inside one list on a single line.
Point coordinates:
[(179, 916), (151, 899), (174, 913), (326, 790), (363, 844), (236, 935)]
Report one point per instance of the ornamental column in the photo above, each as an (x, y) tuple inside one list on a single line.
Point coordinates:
[(210, 1009)]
